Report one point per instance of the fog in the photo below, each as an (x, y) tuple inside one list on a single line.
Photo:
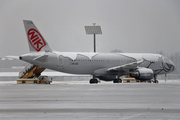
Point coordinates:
[(127, 25)]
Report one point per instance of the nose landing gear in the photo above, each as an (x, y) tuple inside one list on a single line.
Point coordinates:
[(155, 79)]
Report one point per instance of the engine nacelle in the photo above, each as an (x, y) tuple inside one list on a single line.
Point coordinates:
[(143, 74)]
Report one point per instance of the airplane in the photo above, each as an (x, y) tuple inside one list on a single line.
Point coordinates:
[(102, 66)]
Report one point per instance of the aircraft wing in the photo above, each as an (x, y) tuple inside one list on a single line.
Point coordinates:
[(127, 67)]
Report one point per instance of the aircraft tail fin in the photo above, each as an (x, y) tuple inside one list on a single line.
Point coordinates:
[(35, 40)]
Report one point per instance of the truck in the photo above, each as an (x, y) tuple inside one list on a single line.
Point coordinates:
[(31, 74)]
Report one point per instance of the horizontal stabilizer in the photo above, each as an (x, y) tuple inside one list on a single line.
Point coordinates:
[(42, 59)]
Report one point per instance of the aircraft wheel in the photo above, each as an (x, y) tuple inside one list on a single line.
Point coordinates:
[(93, 81), (120, 81), (155, 81), (117, 81)]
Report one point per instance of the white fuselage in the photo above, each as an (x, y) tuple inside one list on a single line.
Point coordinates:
[(87, 63)]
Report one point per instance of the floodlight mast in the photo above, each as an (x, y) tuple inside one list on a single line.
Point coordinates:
[(94, 39), (94, 42), (93, 30)]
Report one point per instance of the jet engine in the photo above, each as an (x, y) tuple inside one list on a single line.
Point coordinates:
[(142, 74)]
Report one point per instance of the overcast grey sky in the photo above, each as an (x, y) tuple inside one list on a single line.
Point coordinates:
[(129, 25)]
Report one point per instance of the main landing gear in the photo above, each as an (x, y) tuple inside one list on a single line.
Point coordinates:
[(93, 81), (117, 81)]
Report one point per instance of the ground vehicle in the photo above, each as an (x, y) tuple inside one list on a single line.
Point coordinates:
[(31, 74)]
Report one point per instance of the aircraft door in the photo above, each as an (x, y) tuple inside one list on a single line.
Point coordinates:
[(60, 61)]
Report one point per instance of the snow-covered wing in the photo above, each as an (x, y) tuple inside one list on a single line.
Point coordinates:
[(127, 67)]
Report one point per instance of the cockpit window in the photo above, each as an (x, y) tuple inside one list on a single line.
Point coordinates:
[(167, 60)]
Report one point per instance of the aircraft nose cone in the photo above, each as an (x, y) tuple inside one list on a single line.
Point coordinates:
[(172, 67), (169, 65)]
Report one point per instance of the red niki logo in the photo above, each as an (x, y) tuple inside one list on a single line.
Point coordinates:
[(35, 39)]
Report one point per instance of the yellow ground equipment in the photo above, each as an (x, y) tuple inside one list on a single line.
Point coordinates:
[(129, 79), (31, 75)]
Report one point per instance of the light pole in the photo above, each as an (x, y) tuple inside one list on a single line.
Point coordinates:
[(93, 30)]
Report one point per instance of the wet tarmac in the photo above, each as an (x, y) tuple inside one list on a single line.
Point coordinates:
[(82, 101)]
